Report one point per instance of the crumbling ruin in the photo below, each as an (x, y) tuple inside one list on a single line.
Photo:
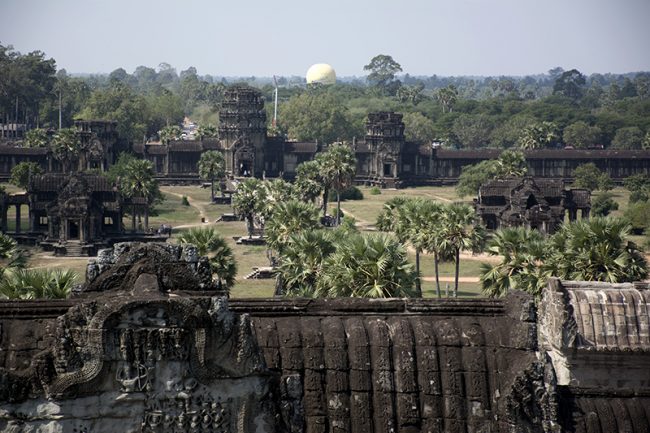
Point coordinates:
[(132, 354)]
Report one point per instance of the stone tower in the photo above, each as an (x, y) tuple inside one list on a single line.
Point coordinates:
[(385, 139), (242, 130)]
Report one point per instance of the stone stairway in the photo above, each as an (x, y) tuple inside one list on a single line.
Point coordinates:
[(261, 273), (74, 249)]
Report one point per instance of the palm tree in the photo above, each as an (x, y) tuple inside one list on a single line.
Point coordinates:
[(301, 261), (460, 233), (338, 166), (38, 284), (511, 163), (272, 194), (36, 138), (434, 233), (596, 250), (66, 147), (246, 200), (206, 131), (170, 133), (10, 256), (372, 266), (290, 218), (211, 167), (309, 182), (388, 215), (211, 244), (522, 252), (139, 182)]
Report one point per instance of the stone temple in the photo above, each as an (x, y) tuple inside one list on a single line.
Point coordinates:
[(149, 345), (384, 156)]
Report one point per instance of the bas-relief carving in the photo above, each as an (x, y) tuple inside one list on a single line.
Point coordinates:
[(157, 365)]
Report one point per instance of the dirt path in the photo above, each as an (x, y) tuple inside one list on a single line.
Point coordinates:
[(360, 222), (451, 279), (198, 205), (437, 197)]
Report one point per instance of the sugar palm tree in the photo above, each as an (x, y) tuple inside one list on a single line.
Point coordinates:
[(290, 218), (211, 244), (301, 261), (371, 266), (309, 183), (596, 250), (273, 193), (460, 233), (434, 233), (522, 253), (66, 147), (211, 166), (170, 133), (511, 163), (206, 131), (246, 201), (139, 182), (36, 138), (37, 284), (387, 217), (10, 256), (338, 168)]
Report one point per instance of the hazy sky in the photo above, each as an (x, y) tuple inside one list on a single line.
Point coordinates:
[(284, 37)]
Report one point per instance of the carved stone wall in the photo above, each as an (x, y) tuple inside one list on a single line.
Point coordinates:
[(146, 365), (157, 360)]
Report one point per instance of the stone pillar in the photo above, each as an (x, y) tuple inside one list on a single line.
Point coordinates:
[(32, 220), (573, 214), (17, 218), (3, 220)]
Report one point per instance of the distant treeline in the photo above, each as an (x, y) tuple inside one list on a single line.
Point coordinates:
[(558, 108)]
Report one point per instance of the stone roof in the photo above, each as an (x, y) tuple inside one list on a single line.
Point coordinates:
[(505, 187), (301, 146), (545, 154), (185, 146), (606, 317), (52, 182), (15, 150)]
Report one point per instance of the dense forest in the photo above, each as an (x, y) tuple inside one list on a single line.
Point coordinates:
[(555, 109)]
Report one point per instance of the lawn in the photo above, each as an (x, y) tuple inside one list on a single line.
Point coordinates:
[(182, 217), (365, 211)]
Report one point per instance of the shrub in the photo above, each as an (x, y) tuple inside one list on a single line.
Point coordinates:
[(185, 201), (637, 216), (638, 196), (603, 204), (351, 193), (375, 190)]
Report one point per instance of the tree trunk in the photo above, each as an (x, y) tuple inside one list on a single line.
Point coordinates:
[(436, 260), (146, 218), (279, 285), (418, 283), (212, 189), (338, 207), (326, 193), (457, 272), (249, 225), (133, 218)]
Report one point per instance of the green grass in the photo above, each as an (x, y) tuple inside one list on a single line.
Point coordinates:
[(367, 210), (468, 268), (465, 290), (172, 212)]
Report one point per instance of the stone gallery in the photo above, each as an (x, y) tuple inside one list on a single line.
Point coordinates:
[(539, 204), (148, 344), (384, 156)]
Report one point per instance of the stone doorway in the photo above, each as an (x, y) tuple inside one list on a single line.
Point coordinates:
[(73, 230)]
